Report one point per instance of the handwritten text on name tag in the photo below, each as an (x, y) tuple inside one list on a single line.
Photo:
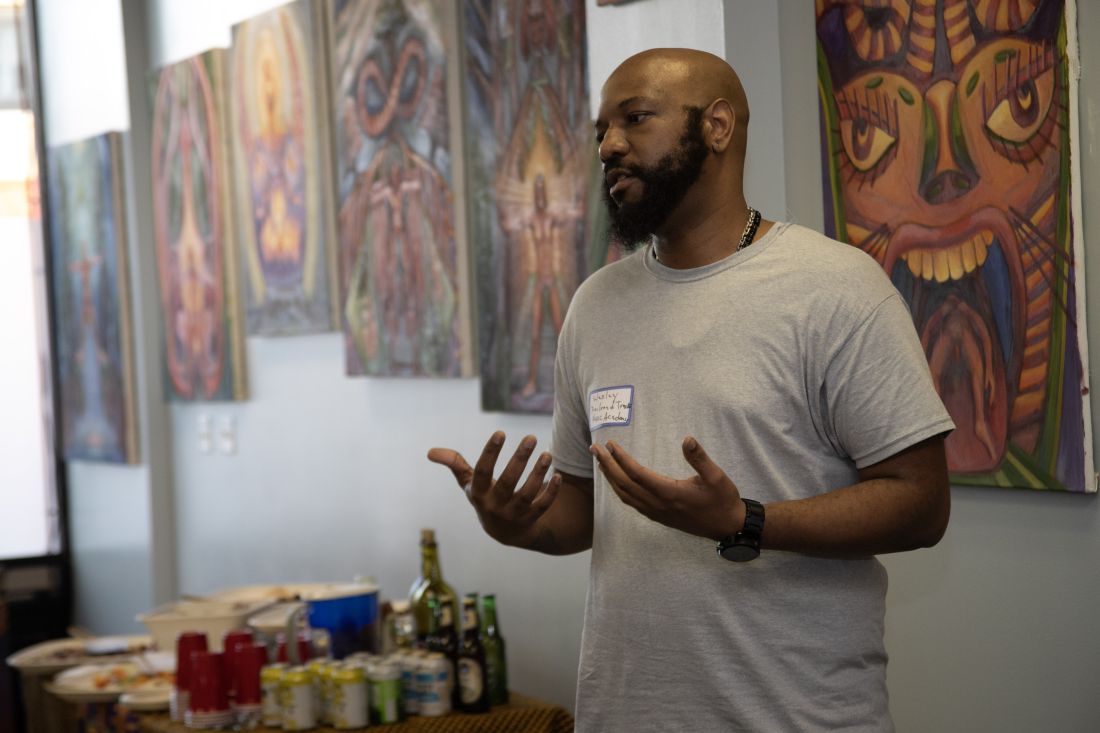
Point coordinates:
[(610, 406)]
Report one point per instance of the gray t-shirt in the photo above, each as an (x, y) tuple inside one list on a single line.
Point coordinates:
[(794, 363)]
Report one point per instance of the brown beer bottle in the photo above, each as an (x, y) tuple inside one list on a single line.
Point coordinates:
[(473, 680)]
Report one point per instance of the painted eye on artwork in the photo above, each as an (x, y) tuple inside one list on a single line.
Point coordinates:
[(410, 80), (1018, 116), (864, 142)]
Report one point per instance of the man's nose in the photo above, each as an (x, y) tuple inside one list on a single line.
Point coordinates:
[(612, 145)]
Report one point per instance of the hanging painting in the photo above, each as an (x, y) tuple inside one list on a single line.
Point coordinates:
[(402, 267), (279, 134), (196, 263), (949, 139), (532, 167), (92, 301)]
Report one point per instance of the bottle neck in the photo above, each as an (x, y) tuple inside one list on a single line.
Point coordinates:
[(445, 620), (469, 620), (429, 562), (489, 613)]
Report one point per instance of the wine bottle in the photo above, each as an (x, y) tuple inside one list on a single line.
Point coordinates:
[(431, 579)]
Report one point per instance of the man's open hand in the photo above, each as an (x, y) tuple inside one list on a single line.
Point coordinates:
[(707, 504), (508, 514)]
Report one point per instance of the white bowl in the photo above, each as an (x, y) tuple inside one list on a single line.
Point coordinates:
[(213, 618)]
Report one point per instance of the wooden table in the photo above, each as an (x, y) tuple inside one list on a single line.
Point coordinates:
[(522, 714)]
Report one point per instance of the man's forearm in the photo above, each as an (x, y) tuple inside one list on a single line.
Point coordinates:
[(869, 518), (900, 504), (566, 527)]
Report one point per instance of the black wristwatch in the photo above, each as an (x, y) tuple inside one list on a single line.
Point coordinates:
[(745, 545)]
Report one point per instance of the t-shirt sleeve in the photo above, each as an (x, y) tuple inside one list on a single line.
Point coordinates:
[(571, 437), (878, 389)]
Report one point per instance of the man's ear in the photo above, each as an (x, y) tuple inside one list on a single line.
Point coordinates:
[(719, 122)]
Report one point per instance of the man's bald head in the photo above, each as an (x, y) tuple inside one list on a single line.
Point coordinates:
[(697, 77)]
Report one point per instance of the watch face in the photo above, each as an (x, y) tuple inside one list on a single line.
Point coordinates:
[(740, 553)]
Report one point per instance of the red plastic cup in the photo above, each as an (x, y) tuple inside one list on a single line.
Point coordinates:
[(250, 660), (231, 642), (208, 689), (305, 648), (187, 643)]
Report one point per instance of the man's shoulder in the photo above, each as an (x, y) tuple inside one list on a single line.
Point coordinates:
[(611, 276), (813, 245), (829, 263)]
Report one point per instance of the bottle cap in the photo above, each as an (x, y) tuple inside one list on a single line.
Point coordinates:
[(427, 535)]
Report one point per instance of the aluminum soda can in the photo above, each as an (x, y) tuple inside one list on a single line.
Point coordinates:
[(297, 701), (433, 680), (321, 673), (385, 693), (271, 676), (407, 662), (348, 697)]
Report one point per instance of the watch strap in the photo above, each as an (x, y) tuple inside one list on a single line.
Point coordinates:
[(744, 544)]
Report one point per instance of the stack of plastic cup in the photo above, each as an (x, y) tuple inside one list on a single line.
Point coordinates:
[(248, 707), (179, 700), (209, 700), (231, 642)]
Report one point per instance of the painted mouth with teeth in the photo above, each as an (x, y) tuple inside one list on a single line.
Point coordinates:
[(981, 307)]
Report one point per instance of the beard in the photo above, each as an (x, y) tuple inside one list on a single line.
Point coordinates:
[(664, 186)]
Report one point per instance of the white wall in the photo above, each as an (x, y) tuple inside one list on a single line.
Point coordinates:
[(990, 631), (615, 33)]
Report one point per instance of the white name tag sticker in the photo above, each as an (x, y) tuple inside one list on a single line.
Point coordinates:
[(610, 406)]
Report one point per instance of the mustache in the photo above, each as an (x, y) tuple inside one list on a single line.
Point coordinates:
[(616, 163)]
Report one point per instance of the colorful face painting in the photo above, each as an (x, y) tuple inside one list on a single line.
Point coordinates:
[(92, 302), (947, 136), (531, 175), (282, 164), (399, 260), (190, 217)]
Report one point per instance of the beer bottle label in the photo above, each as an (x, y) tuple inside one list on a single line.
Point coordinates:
[(469, 680)]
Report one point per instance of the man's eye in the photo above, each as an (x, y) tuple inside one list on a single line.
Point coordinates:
[(636, 117)]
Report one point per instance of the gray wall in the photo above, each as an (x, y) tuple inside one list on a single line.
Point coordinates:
[(989, 631)]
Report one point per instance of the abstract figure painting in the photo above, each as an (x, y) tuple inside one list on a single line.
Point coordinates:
[(92, 301), (530, 160), (282, 154), (949, 133), (401, 270), (196, 264)]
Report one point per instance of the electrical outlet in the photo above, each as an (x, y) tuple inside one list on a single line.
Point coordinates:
[(227, 435), (205, 434)]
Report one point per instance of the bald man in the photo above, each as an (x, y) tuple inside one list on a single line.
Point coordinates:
[(733, 381)]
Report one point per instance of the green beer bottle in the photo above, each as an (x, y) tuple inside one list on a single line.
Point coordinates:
[(431, 579), (495, 661)]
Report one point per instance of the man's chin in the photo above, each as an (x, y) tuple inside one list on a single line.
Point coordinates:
[(628, 235)]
